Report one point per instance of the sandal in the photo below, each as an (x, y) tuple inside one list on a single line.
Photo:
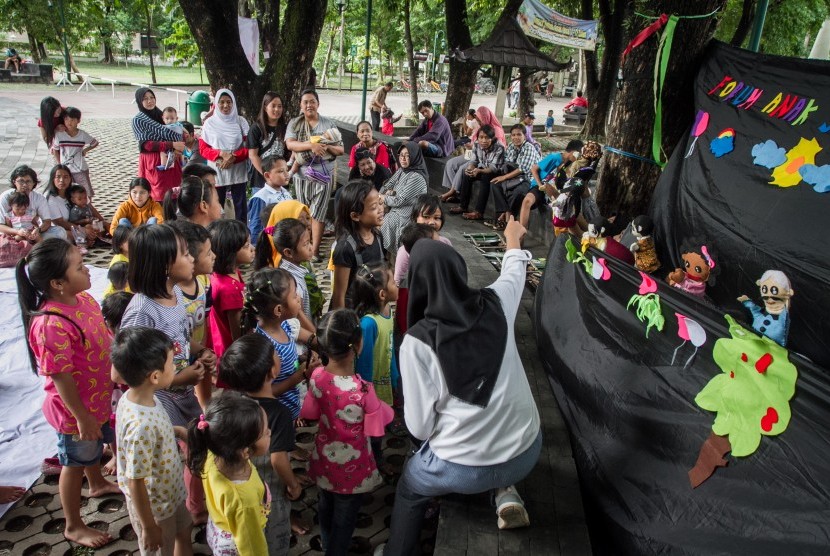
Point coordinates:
[(456, 210), (499, 225), (475, 215)]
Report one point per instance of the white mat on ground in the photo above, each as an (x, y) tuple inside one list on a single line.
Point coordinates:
[(25, 436)]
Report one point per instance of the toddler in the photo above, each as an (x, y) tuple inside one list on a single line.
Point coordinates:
[(549, 124), (171, 121), (21, 218), (150, 472), (389, 119)]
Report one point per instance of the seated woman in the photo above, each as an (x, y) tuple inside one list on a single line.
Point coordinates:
[(453, 169), (378, 150), (401, 192), (487, 163), (368, 169)]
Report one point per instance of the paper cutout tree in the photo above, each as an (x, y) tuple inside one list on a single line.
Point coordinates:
[(751, 397)]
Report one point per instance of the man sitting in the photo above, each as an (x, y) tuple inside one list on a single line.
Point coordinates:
[(577, 105), (13, 59), (434, 135)]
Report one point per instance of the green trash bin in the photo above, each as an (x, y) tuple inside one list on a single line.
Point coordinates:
[(437, 107), (198, 102)]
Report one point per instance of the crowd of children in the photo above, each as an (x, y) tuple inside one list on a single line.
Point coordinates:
[(211, 368)]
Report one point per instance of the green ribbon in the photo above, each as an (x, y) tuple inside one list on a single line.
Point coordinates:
[(660, 67)]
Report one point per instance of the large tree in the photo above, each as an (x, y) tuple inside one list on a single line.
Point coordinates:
[(626, 184), (290, 41)]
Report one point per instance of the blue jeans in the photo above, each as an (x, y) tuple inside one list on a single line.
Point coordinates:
[(426, 476), (126, 222), (73, 452), (338, 517), (55, 231), (433, 150)]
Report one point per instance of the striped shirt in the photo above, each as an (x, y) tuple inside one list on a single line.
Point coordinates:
[(288, 366), (299, 273), (71, 149)]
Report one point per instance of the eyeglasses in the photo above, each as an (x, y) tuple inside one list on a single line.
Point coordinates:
[(24, 181)]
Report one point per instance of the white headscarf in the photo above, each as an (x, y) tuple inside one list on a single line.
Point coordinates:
[(224, 132)]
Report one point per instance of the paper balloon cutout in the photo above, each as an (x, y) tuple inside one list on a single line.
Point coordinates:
[(724, 143), (701, 123), (600, 269), (647, 304), (786, 174), (768, 154), (690, 331), (751, 396), (817, 176)]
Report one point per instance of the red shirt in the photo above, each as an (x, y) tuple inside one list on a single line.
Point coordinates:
[(227, 294)]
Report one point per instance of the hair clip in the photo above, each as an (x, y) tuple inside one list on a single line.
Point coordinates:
[(202, 424), (269, 230), (709, 260)]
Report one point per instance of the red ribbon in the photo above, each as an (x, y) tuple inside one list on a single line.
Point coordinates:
[(643, 35)]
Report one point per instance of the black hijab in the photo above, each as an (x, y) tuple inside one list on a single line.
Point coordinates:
[(465, 327), (155, 113), (416, 160)]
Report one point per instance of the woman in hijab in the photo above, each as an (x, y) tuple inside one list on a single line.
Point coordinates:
[(401, 192), (473, 405), (154, 138), (223, 145), (454, 168)]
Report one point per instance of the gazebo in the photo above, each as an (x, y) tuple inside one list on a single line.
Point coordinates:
[(508, 47)]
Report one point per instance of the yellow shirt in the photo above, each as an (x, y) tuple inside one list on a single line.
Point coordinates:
[(137, 215), (119, 258), (241, 509)]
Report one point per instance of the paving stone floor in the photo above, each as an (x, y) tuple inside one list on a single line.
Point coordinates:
[(34, 525)]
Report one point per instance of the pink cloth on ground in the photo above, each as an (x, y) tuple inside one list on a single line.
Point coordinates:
[(58, 348), (348, 411)]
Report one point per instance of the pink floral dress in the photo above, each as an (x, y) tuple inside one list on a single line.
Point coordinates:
[(349, 412)]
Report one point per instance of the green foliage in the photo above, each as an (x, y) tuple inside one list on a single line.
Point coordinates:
[(648, 310), (751, 397), (575, 256), (183, 48)]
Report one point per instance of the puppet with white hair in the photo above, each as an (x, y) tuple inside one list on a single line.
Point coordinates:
[(772, 320)]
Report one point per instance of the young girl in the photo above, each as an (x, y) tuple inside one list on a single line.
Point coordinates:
[(196, 200), (231, 243), (270, 302), (196, 292), (359, 214), (348, 411), (221, 442), (372, 292), (389, 119), (69, 345), (118, 269), (293, 241), (138, 209)]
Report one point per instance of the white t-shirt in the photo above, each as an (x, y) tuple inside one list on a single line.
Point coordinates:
[(71, 149), (460, 432), (37, 205), (58, 207)]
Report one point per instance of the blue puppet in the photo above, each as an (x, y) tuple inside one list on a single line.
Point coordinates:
[(773, 319)]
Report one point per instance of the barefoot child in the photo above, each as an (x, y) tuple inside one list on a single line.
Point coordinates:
[(69, 345), (149, 467), (250, 365), (221, 442), (70, 146)]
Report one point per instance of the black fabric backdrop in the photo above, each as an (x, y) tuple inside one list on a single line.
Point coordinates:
[(635, 428)]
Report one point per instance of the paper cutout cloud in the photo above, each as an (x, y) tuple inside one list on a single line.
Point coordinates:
[(786, 175), (768, 154), (724, 143), (824, 128), (817, 176)]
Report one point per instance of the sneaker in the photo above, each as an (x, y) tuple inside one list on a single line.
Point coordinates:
[(511, 509)]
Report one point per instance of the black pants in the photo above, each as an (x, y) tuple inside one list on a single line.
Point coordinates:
[(467, 191), (375, 120), (510, 200)]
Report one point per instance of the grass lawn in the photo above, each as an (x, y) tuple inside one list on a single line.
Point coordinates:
[(135, 73)]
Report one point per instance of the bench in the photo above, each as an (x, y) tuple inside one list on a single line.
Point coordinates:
[(577, 117), (29, 73), (5, 75)]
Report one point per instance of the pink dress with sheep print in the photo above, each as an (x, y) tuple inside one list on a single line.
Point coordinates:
[(349, 412)]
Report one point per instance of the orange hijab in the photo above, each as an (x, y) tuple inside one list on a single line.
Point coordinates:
[(285, 209)]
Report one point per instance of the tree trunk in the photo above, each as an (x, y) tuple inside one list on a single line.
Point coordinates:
[(744, 24), (290, 43), (601, 87), (626, 184), (462, 78), (329, 48), (527, 99), (150, 41), (711, 455), (33, 47), (410, 56), (41, 48)]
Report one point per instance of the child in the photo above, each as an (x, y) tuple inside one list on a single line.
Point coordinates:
[(21, 218), (69, 345), (293, 241), (196, 292), (427, 210), (359, 214), (118, 268), (568, 206), (528, 120), (549, 124), (149, 467), (275, 172), (348, 411), (372, 292), (222, 441), (250, 365), (138, 209), (230, 241), (81, 211), (71, 145), (113, 308), (270, 302), (171, 121), (389, 119)]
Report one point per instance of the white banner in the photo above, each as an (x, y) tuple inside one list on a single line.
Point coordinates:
[(249, 37), (540, 21)]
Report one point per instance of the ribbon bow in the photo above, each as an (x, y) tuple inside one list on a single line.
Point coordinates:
[(202, 424)]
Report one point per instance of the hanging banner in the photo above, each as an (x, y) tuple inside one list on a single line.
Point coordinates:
[(541, 22), (249, 37)]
